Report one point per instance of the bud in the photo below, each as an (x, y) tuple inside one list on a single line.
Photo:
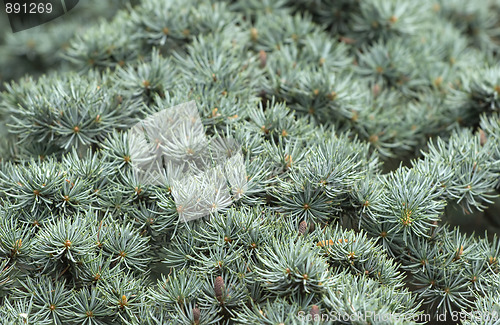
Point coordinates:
[(303, 227), (324, 243), (254, 33), (123, 301), (219, 287)]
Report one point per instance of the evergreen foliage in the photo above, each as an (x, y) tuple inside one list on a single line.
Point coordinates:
[(316, 97)]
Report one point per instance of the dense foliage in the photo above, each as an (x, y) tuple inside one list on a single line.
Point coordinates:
[(318, 95)]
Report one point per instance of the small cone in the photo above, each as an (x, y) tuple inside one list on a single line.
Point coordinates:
[(262, 58), (303, 227), (314, 312), (196, 315), (219, 287), (482, 137)]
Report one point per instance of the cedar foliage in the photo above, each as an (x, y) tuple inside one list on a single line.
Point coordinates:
[(319, 95)]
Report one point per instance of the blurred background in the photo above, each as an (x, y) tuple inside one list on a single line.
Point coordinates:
[(38, 49)]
